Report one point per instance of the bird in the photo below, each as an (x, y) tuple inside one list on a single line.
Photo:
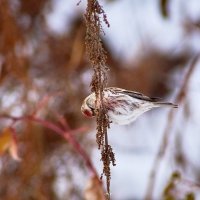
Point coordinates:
[(123, 106)]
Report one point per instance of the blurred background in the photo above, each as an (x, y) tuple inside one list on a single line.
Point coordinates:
[(43, 67)]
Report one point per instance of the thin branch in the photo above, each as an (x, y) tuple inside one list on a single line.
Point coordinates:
[(167, 131), (67, 135), (191, 184)]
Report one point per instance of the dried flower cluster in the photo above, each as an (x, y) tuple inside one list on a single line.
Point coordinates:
[(97, 57)]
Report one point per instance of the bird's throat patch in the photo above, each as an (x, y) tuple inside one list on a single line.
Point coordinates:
[(88, 113)]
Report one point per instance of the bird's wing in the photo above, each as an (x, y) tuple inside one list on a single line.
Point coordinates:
[(133, 94), (118, 104)]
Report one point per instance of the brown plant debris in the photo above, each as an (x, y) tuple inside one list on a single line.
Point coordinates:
[(97, 56), (107, 156)]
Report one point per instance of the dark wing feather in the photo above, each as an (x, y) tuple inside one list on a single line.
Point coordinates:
[(134, 94)]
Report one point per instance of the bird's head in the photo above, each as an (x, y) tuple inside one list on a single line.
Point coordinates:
[(87, 109)]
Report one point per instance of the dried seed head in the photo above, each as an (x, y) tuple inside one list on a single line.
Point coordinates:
[(97, 57)]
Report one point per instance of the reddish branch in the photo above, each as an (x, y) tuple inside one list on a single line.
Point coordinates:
[(66, 134), (167, 131), (191, 184)]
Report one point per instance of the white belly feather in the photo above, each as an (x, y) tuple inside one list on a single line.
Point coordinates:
[(126, 114)]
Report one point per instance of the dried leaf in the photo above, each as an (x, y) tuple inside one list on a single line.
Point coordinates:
[(168, 193), (94, 190), (190, 196), (8, 143), (13, 150), (164, 8)]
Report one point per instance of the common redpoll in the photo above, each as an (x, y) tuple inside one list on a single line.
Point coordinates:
[(123, 106)]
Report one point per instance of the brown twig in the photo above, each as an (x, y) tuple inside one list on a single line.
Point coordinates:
[(167, 131), (67, 135)]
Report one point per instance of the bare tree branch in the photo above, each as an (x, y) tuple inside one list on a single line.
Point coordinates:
[(167, 131)]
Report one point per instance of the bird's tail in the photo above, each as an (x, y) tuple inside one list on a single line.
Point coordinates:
[(166, 104)]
